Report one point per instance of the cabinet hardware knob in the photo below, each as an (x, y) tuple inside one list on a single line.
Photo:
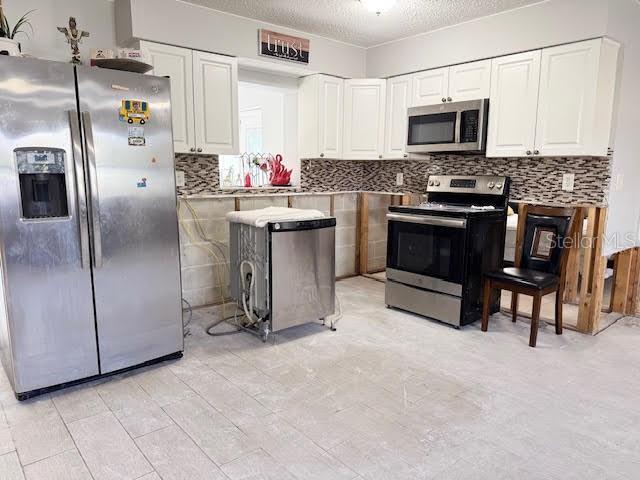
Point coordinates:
[(405, 155), (528, 152), (199, 149), (448, 99), (192, 149), (536, 152), (379, 156), (444, 99), (322, 155)]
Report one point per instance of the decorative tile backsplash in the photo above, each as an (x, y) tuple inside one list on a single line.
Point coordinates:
[(536, 180)]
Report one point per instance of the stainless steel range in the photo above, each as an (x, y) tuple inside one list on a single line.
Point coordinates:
[(438, 251)]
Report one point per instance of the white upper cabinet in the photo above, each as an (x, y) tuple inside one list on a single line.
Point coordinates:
[(430, 87), (215, 81), (553, 102), (513, 103), (364, 105), (177, 64), (399, 90), (470, 81), (577, 83), (321, 116)]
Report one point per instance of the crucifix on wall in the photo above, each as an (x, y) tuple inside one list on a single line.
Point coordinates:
[(74, 37)]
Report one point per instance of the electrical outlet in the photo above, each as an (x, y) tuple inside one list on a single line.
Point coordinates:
[(399, 179), (568, 180), (180, 180)]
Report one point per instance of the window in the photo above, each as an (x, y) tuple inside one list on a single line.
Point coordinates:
[(268, 127)]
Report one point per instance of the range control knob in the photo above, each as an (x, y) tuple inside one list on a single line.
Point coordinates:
[(431, 183), (498, 185), (437, 183), (491, 185)]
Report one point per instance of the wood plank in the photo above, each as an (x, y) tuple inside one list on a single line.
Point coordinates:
[(290, 201), (406, 199), (237, 204), (592, 287), (522, 223), (634, 280), (572, 275), (622, 281), (363, 233), (332, 205)]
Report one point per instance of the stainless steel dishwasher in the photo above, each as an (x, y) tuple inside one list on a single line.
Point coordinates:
[(283, 273)]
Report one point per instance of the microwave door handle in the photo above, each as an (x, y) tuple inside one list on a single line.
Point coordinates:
[(428, 220), (93, 189), (81, 196), (458, 126)]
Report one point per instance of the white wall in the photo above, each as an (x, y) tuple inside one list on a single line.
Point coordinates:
[(624, 201), (94, 16), (279, 104), (200, 28), (542, 24)]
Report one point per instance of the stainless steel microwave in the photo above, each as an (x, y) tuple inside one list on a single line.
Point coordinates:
[(450, 127)]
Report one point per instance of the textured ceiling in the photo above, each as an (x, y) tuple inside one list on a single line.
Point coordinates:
[(349, 21)]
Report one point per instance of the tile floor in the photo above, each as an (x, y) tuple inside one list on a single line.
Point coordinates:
[(388, 396)]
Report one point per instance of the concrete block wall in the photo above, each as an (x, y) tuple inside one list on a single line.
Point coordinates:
[(205, 278), (377, 233), (345, 209)]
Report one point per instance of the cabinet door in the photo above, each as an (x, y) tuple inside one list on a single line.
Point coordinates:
[(567, 99), (513, 104), (398, 99), (331, 118), (215, 83), (364, 102), (430, 87), (177, 64), (470, 81)]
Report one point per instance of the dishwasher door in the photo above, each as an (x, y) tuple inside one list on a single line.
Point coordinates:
[(303, 280)]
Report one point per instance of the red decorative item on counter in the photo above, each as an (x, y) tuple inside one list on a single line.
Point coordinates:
[(279, 176), (247, 181)]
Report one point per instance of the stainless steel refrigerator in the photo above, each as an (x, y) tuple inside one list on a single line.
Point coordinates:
[(89, 250)]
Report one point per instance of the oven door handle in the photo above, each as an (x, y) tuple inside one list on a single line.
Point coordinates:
[(428, 220)]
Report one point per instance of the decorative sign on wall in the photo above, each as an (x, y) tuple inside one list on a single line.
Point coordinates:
[(287, 47)]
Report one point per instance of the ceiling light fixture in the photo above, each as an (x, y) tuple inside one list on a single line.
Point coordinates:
[(378, 6)]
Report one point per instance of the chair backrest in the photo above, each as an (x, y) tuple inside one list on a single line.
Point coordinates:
[(544, 235)]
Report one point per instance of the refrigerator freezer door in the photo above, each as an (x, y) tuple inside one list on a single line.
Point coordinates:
[(131, 179), (48, 333)]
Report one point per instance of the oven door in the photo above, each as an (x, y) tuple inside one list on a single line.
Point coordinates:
[(426, 251)]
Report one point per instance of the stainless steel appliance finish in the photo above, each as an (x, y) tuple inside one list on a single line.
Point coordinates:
[(117, 244), (448, 127), (303, 279), (445, 308), (438, 250), (293, 265)]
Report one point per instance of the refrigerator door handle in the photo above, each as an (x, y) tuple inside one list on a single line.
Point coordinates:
[(81, 196), (93, 189)]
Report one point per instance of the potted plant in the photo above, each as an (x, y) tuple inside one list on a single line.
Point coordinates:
[(7, 33)]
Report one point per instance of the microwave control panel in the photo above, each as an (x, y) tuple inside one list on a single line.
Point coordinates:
[(469, 126)]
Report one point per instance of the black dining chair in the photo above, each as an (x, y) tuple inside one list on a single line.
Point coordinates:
[(543, 237)]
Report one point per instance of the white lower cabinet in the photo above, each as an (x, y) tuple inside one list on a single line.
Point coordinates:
[(364, 119), (215, 85), (399, 90)]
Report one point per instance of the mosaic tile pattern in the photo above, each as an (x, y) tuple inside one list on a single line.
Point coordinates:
[(536, 180), (202, 176)]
